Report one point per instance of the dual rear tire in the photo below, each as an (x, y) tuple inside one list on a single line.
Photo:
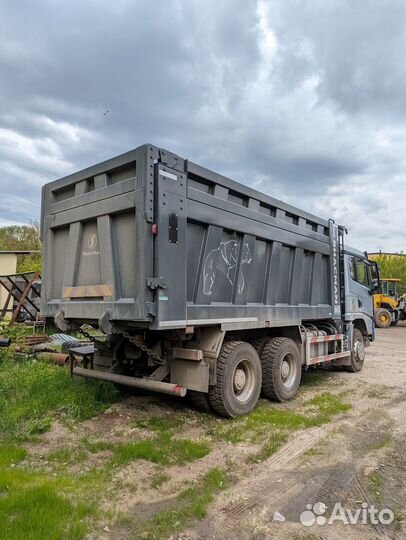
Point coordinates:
[(271, 364), (238, 380)]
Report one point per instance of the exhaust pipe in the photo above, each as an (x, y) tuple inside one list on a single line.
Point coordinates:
[(133, 382)]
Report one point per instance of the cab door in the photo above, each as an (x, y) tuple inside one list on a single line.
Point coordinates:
[(358, 299)]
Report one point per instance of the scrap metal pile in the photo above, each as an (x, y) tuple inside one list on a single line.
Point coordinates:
[(54, 347), (23, 299)]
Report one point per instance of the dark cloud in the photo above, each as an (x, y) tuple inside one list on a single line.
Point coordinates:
[(299, 99)]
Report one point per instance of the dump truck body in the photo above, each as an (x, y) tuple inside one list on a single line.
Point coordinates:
[(220, 251), (170, 257)]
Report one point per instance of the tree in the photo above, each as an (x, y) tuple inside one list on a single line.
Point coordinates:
[(393, 266), (21, 238)]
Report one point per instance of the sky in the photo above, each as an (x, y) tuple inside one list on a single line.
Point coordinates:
[(300, 99)]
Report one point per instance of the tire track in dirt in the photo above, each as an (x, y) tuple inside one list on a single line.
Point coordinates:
[(266, 488), (284, 484)]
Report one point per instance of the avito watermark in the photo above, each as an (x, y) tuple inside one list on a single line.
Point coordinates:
[(365, 514)]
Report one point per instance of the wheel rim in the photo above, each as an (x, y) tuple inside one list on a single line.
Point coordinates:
[(359, 350), (243, 380), (383, 318), (288, 370)]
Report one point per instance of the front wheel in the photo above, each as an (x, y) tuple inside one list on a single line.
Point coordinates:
[(358, 352), (238, 380), (281, 369)]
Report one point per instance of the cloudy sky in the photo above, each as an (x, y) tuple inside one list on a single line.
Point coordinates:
[(302, 99)]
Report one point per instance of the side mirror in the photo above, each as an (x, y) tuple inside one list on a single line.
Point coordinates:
[(375, 281)]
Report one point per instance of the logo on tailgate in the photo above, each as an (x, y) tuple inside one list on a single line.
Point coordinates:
[(92, 245), (92, 241)]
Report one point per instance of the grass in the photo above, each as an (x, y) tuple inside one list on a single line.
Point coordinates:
[(38, 512), (375, 485), (188, 507), (67, 455), (272, 444), (382, 440), (313, 452), (34, 505), (162, 449), (378, 392), (158, 480), (32, 392), (161, 424), (327, 405), (271, 424), (314, 378)]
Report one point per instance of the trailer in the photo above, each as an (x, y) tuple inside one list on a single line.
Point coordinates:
[(198, 283)]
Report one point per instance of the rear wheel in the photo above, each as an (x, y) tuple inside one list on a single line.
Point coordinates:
[(200, 400), (259, 344), (383, 318), (238, 380), (281, 369), (358, 352)]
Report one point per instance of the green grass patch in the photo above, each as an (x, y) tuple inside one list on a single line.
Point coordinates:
[(32, 392), (254, 426), (312, 452), (383, 439), (163, 450), (270, 446), (313, 378), (375, 485), (189, 506), (161, 424), (68, 455), (327, 405), (95, 447), (35, 505), (39, 512), (11, 454), (158, 480), (270, 426), (378, 392)]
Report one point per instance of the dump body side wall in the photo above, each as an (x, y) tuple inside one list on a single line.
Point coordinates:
[(240, 256)]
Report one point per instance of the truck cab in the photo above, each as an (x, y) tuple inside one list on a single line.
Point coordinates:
[(361, 279)]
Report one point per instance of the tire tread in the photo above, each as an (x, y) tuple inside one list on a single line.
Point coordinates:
[(268, 356), (216, 392)]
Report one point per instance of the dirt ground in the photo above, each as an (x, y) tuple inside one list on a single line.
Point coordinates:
[(334, 463), (357, 457)]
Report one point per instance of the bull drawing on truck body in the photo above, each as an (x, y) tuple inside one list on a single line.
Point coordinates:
[(225, 259)]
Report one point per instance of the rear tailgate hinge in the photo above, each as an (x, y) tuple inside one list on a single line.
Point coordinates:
[(156, 283), (151, 309)]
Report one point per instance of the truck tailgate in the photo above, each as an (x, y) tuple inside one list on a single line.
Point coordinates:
[(96, 241)]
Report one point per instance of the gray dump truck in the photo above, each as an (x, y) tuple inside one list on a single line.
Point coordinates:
[(198, 283)]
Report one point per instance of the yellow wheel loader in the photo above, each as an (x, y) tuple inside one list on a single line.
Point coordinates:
[(389, 306)]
